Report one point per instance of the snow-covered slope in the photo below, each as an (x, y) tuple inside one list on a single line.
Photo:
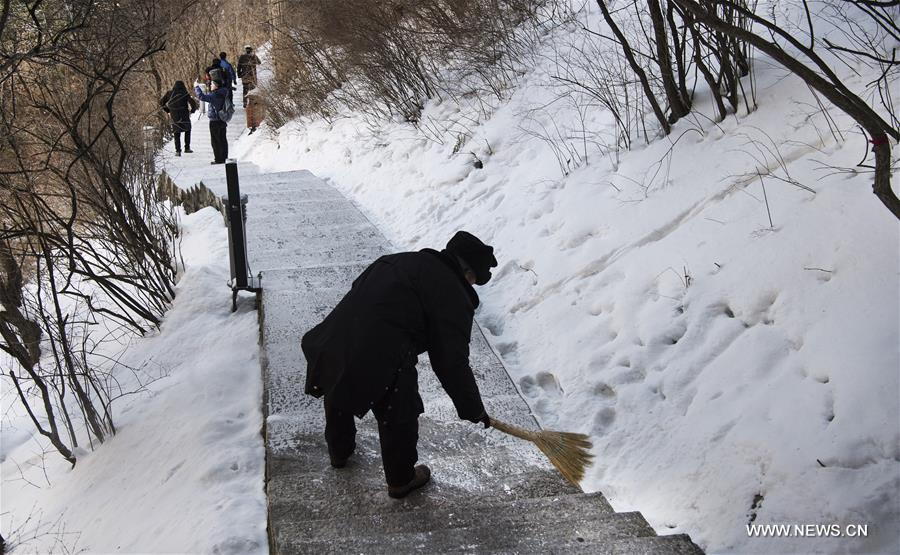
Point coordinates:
[(184, 473), (729, 371)]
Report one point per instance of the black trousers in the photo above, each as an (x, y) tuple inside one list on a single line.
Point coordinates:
[(219, 139), (397, 413), (178, 128)]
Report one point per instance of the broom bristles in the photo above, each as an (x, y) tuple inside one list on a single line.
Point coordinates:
[(567, 451)]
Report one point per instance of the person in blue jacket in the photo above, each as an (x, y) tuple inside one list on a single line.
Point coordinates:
[(231, 77), (215, 99)]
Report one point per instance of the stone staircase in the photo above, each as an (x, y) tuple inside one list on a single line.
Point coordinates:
[(490, 493)]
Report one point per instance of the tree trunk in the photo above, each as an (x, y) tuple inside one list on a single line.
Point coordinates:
[(638, 70), (664, 61), (679, 45), (882, 185), (707, 73)]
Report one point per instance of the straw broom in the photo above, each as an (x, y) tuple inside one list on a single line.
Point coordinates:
[(569, 452)]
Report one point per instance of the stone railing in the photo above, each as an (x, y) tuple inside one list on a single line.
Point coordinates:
[(193, 199)]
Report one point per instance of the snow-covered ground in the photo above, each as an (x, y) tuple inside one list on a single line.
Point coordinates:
[(729, 371), (185, 471)]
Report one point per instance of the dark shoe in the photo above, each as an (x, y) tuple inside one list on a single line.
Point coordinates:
[(177, 153), (187, 150), (420, 478), (214, 163), (340, 462)]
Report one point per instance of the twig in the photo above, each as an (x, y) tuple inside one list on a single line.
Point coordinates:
[(768, 211)]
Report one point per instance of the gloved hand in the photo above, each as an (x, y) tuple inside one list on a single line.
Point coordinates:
[(482, 418)]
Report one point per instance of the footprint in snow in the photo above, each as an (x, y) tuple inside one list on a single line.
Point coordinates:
[(541, 384), (603, 419), (604, 392)]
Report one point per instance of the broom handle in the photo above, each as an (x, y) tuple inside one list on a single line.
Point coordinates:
[(514, 431)]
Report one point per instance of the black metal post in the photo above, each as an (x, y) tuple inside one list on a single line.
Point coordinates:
[(236, 227)]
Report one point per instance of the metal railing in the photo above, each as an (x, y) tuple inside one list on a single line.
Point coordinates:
[(236, 217)]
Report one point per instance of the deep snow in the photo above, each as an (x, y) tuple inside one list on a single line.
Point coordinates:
[(728, 371), (185, 471)]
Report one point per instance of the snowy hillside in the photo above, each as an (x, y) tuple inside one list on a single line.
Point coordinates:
[(184, 473), (730, 370)]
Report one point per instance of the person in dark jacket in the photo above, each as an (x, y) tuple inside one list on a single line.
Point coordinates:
[(179, 104), (230, 77), (218, 129), (363, 355), (246, 71)]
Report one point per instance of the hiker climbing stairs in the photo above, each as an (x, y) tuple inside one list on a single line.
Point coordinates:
[(489, 492)]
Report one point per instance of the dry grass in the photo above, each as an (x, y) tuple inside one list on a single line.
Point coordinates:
[(387, 59)]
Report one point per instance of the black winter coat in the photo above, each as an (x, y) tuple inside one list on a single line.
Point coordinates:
[(400, 306), (178, 103), (246, 68)]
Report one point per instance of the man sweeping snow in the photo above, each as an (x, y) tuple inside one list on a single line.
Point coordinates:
[(363, 355)]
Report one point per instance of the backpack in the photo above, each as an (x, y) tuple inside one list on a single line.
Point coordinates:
[(176, 103), (227, 110)]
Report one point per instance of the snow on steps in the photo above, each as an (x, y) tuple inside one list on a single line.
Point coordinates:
[(489, 492)]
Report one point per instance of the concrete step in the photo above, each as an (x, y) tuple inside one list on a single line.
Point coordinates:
[(501, 515), (301, 204), (649, 545), (271, 256), (299, 414), (274, 194), (310, 239), (276, 181), (676, 544), (282, 224), (251, 181), (465, 464), (297, 497), (495, 533), (330, 283), (284, 175)]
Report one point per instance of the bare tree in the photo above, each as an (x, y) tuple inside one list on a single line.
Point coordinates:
[(679, 102), (84, 241), (664, 68), (33, 31), (389, 58), (636, 67), (806, 61)]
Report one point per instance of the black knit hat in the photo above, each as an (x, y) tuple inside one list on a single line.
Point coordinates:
[(478, 256)]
